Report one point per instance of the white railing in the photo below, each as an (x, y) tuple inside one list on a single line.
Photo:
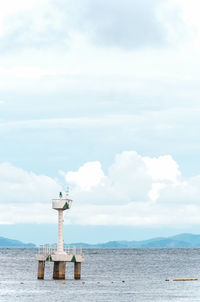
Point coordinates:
[(48, 249)]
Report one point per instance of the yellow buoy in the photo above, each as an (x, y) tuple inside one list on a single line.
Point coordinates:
[(21, 282), (83, 282), (185, 279)]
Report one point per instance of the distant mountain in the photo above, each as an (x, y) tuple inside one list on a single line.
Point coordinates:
[(181, 240), (191, 239), (5, 242)]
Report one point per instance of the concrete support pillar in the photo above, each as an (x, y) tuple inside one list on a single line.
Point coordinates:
[(59, 270), (77, 270), (41, 267)]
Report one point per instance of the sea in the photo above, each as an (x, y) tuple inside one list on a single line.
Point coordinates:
[(109, 275)]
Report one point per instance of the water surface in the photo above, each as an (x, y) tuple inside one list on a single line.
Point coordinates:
[(109, 275)]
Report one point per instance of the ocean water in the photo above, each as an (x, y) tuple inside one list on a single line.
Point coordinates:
[(108, 275)]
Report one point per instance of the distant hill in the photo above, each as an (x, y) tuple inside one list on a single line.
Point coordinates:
[(181, 240), (5, 242)]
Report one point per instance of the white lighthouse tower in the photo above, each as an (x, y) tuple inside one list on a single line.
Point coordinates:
[(61, 204)]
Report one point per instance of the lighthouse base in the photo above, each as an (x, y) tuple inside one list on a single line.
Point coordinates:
[(70, 254), (59, 270)]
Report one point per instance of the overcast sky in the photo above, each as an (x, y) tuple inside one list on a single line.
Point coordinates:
[(102, 96)]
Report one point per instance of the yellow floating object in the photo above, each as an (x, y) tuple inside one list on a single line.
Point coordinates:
[(21, 282), (185, 279), (83, 282)]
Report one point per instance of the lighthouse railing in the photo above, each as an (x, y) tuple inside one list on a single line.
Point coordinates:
[(50, 249)]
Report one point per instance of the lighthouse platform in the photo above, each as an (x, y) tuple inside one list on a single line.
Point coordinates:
[(69, 254)]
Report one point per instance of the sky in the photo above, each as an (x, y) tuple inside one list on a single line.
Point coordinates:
[(101, 96)]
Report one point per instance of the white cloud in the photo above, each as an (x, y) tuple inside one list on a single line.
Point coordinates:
[(190, 12), (25, 197), (184, 192), (11, 8), (34, 24), (140, 86), (162, 168), (155, 190), (130, 24), (135, 214), (87, 177), (130, 178), (78, 65), (19, 186), (136, 190), (40, 23), (52, 123), (20, 72), (127, 180)]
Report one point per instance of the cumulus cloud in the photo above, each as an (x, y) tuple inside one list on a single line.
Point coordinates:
[(162, 168), (88, 176), (131, 178), (127, 180), (135, 190)]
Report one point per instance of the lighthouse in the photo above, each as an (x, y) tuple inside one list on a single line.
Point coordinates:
[(61, 204), (60, 254)]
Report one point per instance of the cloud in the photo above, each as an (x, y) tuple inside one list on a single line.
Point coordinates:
[(88, 176), (135, 191), (66, 122), (127, 181), (128, 24), (135, 214), (131, 178), (184, 192), (162, 168), (19, 186), (33, 25), (190, 14)]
